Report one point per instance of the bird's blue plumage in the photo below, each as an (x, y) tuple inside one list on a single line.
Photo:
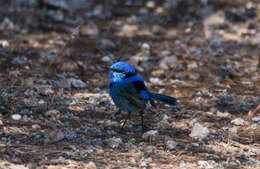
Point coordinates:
[(123, 66), (129, 92)]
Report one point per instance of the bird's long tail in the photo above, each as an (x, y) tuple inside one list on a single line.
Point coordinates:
[(165, 99)]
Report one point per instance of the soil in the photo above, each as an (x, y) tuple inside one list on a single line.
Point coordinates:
[(55, 111)]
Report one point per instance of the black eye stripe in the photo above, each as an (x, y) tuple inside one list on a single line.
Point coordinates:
[(121, 71), (115, 70)]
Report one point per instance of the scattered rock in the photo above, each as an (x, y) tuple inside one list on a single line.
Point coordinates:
[(114, 142), (159, 10), (48, 55), (167, 118), (4, 43), (196, 53), (192, 66), (128, 31), (217, 19), (149, 149), (215, 40), (143, 11), (255, 39), (233, 131), (194, 76), (16, 117), (106, 59), (228, 71), (158, 30), (198, 131), (90, 165), (195, 144), (184, 164), (204, 164), (69, 66), (166, 53), (171, 144), (7, 25), (41, 101), (150, 4), (26, 118), (238, 122), (231, 37), (151, 135), (40, 81), (57, 42), (241, 15), (58, 4), (165, 124), (223, 114), (251, 132), (227, 100), (54, 136), (109, 123), (44, 89), (106, 45), (36, 126), (252, 161), (168, 62), (155, 80), (90, 29), (256, 119), (21, 60), (52, 113), (65, 83), (77, 83)]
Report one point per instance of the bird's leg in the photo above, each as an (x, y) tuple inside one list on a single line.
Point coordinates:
[(115, 114), (128, 117), (142, 119)]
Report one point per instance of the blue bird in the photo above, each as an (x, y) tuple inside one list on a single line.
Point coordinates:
[(129, 92)]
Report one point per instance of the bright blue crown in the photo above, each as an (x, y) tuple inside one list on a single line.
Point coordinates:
[(123, 66)]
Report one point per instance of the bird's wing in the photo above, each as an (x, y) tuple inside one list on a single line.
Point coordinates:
[(135, 92), (143, 91)]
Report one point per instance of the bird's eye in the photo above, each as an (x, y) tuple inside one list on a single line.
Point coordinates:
[(116, 70)]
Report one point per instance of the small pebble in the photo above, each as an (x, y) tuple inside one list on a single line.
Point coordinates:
[(150, 4), (106, 59), (4, 43), (168, 61), (195, 144), (171, 144), (256, 119), (198, 131), (36, 126), (16, 117), (90, 29), (54, 136), (41, 102), (52, 113), (238, 122), (106, 45), (150, 135), (91, 165), (78, 83), (114, 142)]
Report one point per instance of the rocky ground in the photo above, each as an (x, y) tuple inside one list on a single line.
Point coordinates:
[(54, 108)]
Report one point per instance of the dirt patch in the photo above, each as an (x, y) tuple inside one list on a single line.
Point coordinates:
[(54, 108)]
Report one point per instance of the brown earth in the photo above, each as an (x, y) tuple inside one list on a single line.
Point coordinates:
[(54, 108)]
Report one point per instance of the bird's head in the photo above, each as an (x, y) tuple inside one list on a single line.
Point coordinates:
[(120, 71)]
